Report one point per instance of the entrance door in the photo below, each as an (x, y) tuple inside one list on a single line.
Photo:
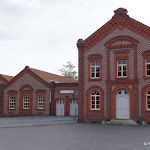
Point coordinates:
[(122, 105), (73, 107), (60, 107)]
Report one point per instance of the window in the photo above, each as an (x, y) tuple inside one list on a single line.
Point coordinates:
[(95, 69), (148, 100), (95, 100), (25, 102), (12, 101), (147, 61), (119, 92), (121, 68), (40, 102)]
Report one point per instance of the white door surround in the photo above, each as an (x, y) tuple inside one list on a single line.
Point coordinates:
[(122, 105), (60, 107)]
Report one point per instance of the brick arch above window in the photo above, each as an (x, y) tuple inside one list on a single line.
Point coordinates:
[(94, 56), (121, 42), (26, 89), (121, 87), (146, 53), (40, 91), (12, 92)]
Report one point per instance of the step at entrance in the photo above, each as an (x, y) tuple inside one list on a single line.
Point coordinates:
[(122, 121)]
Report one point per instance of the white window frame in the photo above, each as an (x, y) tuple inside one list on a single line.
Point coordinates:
[(94, 70), (95, 96), (146, 67), (147, 100), (12, 102), (122, 65), (26, 103), (40, 103)]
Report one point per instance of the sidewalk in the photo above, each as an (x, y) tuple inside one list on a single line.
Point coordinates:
[(35, 121)]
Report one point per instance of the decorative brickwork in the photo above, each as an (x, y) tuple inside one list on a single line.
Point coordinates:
[(120, 20), (34, 92), (120, 38)]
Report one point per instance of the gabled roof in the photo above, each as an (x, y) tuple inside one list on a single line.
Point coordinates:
[(5, 78), (49, 77), (120, 20), (44, 77)]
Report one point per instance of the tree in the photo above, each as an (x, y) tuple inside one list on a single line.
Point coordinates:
[(68, 70)]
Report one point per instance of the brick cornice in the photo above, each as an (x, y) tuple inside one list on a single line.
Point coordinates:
[(94, 56), (12, 92), (119, 20), (146, 53), (122, 81), (40, 91)]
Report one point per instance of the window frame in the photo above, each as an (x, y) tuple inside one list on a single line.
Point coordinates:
[(11, 95), (145, 66), (127, 67), (23, 95), (100, 75), (147, 101), (37, 101), (95, 96)]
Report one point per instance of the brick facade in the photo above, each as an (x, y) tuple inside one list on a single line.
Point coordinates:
[(65, 96), (120, 38), (1, 98), (27, 83)]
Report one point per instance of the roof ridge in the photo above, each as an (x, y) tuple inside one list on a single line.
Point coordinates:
[(51, 73), (6, 75)]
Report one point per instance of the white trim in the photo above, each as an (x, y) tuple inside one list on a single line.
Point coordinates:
[(146, 67), (66, 91), (146, 101), (94, 70), (95, 96), (40, 103), (26, 102), (12, 102)]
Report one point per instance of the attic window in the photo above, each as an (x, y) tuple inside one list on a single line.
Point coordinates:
[(53, 81)]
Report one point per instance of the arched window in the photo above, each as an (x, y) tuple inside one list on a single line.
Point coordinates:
[(95, 100), (148, 100)]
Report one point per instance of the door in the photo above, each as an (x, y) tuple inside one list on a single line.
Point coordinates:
[(122, 105), (59, 107), (73, 107)]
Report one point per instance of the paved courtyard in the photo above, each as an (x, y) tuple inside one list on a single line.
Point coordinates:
[(75, 136)]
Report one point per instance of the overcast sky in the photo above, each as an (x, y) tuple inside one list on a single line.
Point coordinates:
[(43, 33)]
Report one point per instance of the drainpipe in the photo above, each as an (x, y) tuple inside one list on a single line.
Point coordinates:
[(52, 96), (67, 104), (50, 101)]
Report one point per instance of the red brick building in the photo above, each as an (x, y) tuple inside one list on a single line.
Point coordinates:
[(114, 71), (35, 92)]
